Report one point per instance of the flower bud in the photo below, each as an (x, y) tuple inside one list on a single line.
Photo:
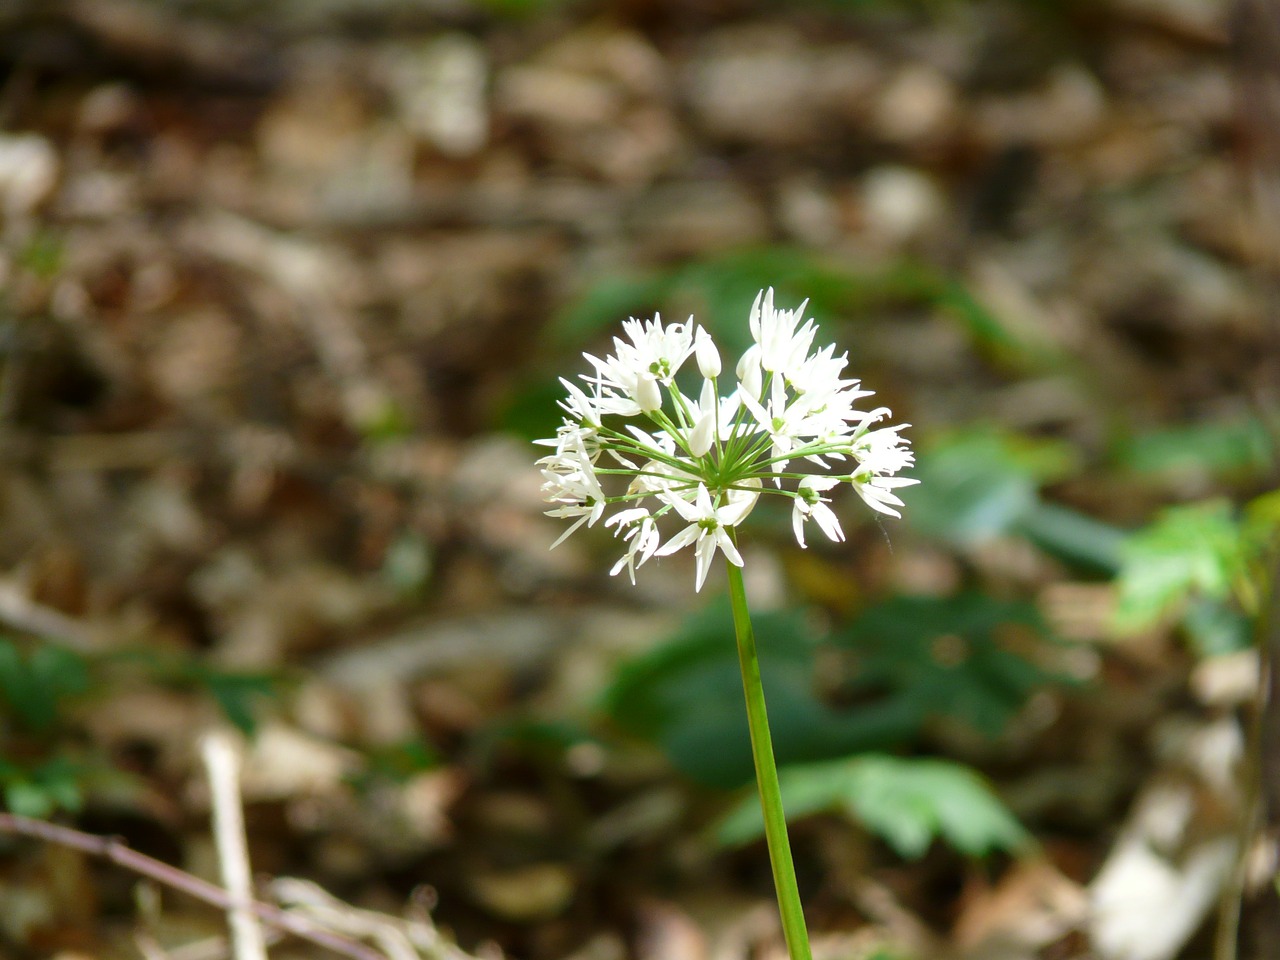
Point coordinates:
[(707, 354), (648, 395), (750, 378), (702, 434)]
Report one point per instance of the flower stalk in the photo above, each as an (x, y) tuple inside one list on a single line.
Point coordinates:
[(634, 449), (775, 821)]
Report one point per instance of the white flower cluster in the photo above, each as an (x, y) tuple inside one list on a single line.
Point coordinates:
[(708, 458)]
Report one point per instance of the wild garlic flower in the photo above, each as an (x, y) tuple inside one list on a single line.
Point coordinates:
[(707, 458)]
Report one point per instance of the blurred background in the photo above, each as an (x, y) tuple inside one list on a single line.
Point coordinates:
[(285, 291)]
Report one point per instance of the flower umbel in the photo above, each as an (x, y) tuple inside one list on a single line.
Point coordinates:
[(634, 443)]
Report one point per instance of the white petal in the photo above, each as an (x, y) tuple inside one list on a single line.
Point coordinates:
[(819, 483), (703, 502), (757, 410), (828, 521), (679, 541), (726, 544), (741, 503), (564, 536), (706, 553), (750, 378), (798, 517), (869, 497)]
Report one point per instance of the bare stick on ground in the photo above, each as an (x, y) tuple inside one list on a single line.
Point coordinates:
[(110, 848), (222, 765)]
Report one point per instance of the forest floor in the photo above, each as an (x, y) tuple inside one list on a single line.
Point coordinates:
[(286, 290)]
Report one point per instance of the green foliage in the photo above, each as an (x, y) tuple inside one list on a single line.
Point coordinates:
[(42, 255), (983, 482), (35, 684), (720, 291), (724, 287), (531, 736), (907, 802), (915, 659), (386, 422), (943, 657), (520, 9), (686, 695), (39, 791), (397, 762), (1243, 446), (39, 771), (1214, 628), (1188, 551), (1205, 563), (1073, 537), (531, 411), (236, 693)]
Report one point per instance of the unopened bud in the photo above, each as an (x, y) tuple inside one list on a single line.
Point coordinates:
[(702, 434), (648, 395), (707, 354)]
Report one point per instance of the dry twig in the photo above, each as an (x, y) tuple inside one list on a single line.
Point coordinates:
[(110, 848)]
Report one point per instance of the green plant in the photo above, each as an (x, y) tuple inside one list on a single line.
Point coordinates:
[(898, 666), (1203, 564), (909, 802), (707, 460)]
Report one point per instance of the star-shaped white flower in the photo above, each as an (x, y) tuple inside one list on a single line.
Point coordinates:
[(707, 530), (782, 346), (877, 491), (809, 503), (637, 528), (705, 458)]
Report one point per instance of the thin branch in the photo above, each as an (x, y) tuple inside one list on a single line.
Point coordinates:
[(112, 849), (17, 610)]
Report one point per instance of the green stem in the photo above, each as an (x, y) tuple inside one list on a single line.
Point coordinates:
[(775, 823)]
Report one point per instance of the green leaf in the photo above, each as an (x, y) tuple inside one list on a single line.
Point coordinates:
[(236, 694), (912, 660), (1018, 347), (907, 802), (43, 255), (532, 411), (606, 303), (52, 785), (1261, 526), (943, 657), (1189, 551), (724, 286), (1214, 629), (981, 482), (34, 685), (402, 760), (686, 695), (1073, 537), (28, 799), (1243, 446), (60, 778)]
